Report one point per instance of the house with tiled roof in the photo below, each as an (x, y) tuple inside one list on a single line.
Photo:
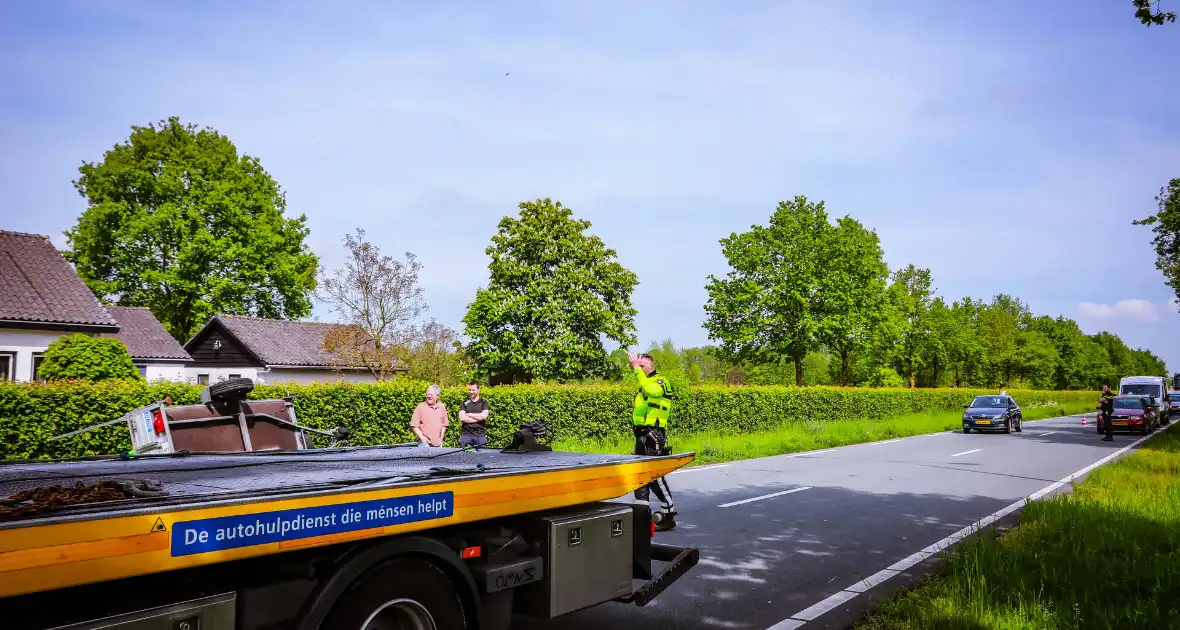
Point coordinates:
[(157, 354), (267, 351), (42, 299)]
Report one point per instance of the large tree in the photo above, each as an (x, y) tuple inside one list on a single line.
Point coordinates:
[(769, 307), (180, 222), (851, 288), (553, 294), (910, 295), (380, 299), (1166, 226)]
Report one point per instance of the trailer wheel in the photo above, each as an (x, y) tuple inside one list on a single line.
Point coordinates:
[(405, 594), (231, 389)]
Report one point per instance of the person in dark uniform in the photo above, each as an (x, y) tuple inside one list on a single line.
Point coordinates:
[(649, 420), (1106, 405), (473, 414)]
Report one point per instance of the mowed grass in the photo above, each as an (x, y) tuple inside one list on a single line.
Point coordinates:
[(1106, 555), (797, 436)]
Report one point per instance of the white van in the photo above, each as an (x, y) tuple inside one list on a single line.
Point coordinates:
[(1154, 386)]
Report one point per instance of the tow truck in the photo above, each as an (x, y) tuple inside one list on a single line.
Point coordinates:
[(225, 515)]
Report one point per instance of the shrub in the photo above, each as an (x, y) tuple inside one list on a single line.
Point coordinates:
[(87, 358), (378, 413)]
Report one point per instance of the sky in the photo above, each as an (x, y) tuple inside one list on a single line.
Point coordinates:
[(1007, 146)]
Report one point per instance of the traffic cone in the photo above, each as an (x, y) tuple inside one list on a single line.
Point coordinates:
[(1083, 419)]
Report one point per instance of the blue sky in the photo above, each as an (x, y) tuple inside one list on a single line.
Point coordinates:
[(1004, 145)]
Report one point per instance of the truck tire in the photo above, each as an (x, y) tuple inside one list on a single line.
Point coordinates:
[(231, 389), (408, 593)]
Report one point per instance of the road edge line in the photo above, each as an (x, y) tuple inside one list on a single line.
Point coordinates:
[(844, 595)]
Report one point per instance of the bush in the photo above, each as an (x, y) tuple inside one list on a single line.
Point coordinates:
[(378, 413), (87, 358)]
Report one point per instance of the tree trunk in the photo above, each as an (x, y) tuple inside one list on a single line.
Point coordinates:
[(798, 370), (845, 370), (913, 378)]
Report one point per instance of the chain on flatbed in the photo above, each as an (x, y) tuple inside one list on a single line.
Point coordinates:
[(48, 498)]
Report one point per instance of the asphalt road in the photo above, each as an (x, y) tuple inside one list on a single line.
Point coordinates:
[(788, 541)]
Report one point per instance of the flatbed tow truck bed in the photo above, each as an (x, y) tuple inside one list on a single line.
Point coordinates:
[(313, 538)]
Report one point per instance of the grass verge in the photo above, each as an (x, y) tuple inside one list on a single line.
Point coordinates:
[(797, 436), (1106, 555)]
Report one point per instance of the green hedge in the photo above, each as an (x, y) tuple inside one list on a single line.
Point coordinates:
[(30, 413)]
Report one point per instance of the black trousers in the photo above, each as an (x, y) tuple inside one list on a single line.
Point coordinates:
[(1107, 425), (653, 441)]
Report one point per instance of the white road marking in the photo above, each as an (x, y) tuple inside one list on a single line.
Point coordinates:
[(888, 441), (1048, 433), (766, 496), (800, 619), (699, 468), (974, 450), (788, 624)]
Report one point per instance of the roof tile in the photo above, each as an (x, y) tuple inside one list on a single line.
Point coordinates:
[(281, 342), (38, 285), (144, 335)]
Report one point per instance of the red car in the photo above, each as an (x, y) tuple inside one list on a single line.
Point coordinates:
[(1132, 413)]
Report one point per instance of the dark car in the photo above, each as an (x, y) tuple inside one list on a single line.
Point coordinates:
[(1174, 403), (1132, 413), (992, 413)]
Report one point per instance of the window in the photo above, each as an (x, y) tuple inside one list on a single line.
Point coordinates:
[(202, 379), (235, 376), (7, 366), (1141, 390), (1128, 403), (142, 370), (38, 359)]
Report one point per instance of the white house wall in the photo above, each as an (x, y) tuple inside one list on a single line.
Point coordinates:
[(191, 374), (24, 343), (165, 372), (304, 376)]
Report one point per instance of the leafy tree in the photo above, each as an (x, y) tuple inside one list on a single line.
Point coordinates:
[(960, 336), (851, 287), (1166, 227), (910, 294), (1149, 13), (1150, 364), (999, 328), (380, 299), (768, 306), (1036, 359), (86, 358), (436, 355), (179, 222), (703, 364), (934, 348), (553, 294)]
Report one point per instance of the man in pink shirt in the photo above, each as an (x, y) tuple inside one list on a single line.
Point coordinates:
[(429, 421)]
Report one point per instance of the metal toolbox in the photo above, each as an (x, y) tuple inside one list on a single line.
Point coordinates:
[(587, 553)]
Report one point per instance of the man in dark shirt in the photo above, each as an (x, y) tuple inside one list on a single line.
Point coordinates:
[(1106, 405), (473, 416)]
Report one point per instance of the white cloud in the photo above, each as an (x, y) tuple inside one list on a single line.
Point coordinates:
[(1129, 309)]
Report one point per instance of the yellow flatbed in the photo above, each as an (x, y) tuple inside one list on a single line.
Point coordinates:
[(220, 507)]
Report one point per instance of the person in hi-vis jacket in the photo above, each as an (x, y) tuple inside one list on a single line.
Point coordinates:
[(649, 420)]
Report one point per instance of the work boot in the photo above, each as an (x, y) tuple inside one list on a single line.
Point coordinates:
[(665, 520), (1108, 439)]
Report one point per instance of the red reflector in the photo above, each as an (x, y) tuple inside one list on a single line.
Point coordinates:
[(472, 552), (653, 530), (158, 422)]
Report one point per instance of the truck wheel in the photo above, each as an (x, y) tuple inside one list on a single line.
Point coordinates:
[(405, 594), (231, 389)]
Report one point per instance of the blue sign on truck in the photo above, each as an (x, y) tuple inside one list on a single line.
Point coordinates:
[(247, 530)]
